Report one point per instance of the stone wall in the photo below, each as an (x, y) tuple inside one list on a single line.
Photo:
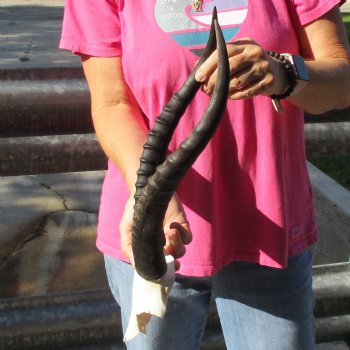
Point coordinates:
[(48, 231), (333, 215)]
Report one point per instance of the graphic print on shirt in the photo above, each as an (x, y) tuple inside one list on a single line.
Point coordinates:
[(188, 22)]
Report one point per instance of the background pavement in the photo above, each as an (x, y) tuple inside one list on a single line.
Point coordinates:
[(30, 32), (29, 35)]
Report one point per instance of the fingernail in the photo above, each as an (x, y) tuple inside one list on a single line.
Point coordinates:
[(199, 76), (205, 88), (173, 237)]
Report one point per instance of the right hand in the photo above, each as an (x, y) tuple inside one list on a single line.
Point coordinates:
[(176, 229), (252, 71)]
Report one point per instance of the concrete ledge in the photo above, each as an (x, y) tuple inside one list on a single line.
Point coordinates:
[(337, 115), (43, 214), (37, 106), (92, 316), (74, 320), (56, 151), (328, 138), (59, 321), (333, 215), (48, 233), (331, 285), (38, 264), (50, 154), (46, 101)]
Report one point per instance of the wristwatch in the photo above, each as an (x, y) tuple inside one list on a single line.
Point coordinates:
[(300, 71), (297, 76)]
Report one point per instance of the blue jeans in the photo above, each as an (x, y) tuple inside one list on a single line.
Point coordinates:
[(260, 308)]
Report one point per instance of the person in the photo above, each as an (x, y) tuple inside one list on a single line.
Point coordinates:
[(242, 220)]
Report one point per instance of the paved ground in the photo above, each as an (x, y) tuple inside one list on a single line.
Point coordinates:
[(29, 35), (30, 31)]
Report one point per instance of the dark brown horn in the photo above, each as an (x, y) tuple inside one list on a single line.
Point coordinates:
[(156, 145), (152, 200)]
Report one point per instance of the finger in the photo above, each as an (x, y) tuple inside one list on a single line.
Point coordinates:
[(240, 77), (209, 66), (250, 73), (184, 231), (254, 81), (174, 245), (237, 63), (126, 248), (256, 88)]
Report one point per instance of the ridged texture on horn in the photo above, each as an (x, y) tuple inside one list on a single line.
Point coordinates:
[(156, 145), (151, 203)]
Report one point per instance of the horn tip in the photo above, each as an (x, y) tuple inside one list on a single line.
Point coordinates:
[(215, 13)]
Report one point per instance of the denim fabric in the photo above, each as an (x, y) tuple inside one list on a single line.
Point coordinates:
[(260, 308)]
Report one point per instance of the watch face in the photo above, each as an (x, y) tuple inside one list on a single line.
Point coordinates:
[(300, 68)]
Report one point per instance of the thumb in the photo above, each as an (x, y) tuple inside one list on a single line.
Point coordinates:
[(125, 230)]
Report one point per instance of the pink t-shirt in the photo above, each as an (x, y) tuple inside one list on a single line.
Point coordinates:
[(248, 196)]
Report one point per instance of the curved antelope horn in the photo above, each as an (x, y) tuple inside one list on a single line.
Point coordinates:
[(156, 145), (152, 200)]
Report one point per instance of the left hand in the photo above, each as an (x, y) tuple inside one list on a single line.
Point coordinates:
[(253, 72), (176, 230)]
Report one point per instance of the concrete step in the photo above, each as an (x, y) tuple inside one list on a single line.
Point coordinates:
[(72, 320), (332, 346), (326, 346), (50, 154)]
